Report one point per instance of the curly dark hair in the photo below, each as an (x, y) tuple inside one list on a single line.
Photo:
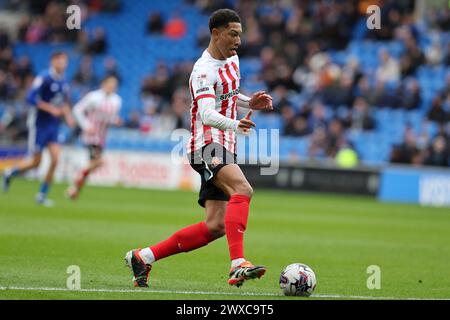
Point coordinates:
[(221, 18)]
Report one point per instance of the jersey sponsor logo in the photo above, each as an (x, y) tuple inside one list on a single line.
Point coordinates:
[(230, 94), (202, 90)]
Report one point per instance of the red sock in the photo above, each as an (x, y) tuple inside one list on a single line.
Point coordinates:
[(184, 240), (236, 223), (82, 178), (85, 173)]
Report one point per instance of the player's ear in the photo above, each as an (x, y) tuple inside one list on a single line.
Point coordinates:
[(215, 33)]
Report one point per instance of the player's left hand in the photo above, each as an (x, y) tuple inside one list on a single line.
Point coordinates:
[(68, 116), (260, 101), (70, 121)]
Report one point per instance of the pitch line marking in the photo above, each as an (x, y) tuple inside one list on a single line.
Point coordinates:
[(259, 294)]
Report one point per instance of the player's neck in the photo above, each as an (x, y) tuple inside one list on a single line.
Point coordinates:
[(55, 73), (215, 52)]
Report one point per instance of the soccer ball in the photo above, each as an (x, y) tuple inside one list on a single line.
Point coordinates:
[(298, 279)]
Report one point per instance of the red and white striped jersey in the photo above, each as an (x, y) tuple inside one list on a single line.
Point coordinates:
[(95, 112), (218, 79)]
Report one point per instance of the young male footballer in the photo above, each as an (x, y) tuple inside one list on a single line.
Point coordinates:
[(49, 100), (95, 113), (225, 192)]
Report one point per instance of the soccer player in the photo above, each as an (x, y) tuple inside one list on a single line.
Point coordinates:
[(225, 192), (49, 99), (98, 110)]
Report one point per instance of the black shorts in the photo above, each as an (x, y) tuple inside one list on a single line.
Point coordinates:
[(95, 151), (207, 163)]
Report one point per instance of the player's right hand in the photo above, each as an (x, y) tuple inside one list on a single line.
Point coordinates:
[(56, 112), (245, 124), (70, 121)]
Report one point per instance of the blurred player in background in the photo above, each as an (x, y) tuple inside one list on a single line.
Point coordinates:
[(98, 110), (50, 103), (225, 192)]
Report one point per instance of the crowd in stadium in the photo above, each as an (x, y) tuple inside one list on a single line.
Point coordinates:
[(292, 45)]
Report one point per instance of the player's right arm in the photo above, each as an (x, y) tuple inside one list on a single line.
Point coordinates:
[(204, 94), (35, 97)]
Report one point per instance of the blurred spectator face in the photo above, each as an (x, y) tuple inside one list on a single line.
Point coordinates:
[(335, 127), (319, 136), (162, 74), (437, 103), (394, 17), (99, 33), (360, 105), (180, 95), (346, 81), (300, 124), (363, 84), (284, 71), (86, 64), (439, 145), (410, 138), (6, 54), (134, 115), (287, 112), (228, 39), (2, 77), (413, 86), (352, 63), (280, 92), (379, 85), (155, 22), (110, 63), (293, 24), (267, 56), (24, 61), (318, 111), (59, 63), (150, 110)]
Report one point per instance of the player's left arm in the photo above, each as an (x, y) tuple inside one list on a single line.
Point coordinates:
[(67, 111), (68, 116), (116, 120), (258, 101)]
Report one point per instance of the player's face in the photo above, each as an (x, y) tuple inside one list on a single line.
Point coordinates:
[(59, 63), (110, 85), (228, 39)]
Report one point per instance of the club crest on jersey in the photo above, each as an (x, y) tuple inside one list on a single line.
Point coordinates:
[(201, 80), (54, 87), (229, 94)]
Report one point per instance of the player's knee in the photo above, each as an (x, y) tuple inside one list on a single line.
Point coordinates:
[(36, 162), (54, 161), (99, 162), (244, 188), (216, 228)]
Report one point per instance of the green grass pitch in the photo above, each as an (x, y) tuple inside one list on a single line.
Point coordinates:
[(338, 236)]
